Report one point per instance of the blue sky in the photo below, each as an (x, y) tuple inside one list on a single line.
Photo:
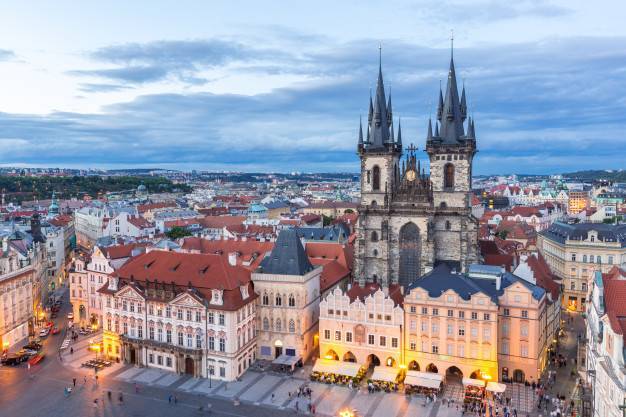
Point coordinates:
[(279, 86)]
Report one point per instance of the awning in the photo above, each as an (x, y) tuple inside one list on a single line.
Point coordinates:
[(496, 387), (329, 366), (385, 373), (286, 360), (423, 379), (473, 382)]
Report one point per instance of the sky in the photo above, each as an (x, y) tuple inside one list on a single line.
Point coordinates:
[(279, 86)]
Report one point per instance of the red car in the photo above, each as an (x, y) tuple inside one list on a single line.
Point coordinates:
[(55, 330), (50, 324)]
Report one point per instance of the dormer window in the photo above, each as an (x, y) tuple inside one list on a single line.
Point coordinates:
[(244, 291), (216, 297)]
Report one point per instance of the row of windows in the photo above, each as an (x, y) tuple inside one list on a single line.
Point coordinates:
[(593, 259), (450, 313), (159, 360), (371, 339), (278, 300), (278, 325), (475, 351)]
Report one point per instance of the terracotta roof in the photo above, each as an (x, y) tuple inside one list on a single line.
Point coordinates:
[(614, 296), (182, 222), (525, 211), (343, 253), (121, 251), (213, 211), (219, 222), (61, 220), (203, 272), (517, 230), (543, 275), (505, 260), (310, 218), (356, 291), (140, 222), (332, 205), (250, 251)]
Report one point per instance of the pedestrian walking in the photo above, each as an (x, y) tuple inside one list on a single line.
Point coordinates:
[(169, 399), (84, 380), (175, 399), (96, 378), (71, 350), (74, 381), (121, 397), (136, 388)]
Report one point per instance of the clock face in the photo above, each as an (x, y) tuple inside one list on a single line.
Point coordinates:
[(410, 175)]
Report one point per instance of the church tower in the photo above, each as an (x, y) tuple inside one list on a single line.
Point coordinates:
[(380, 152), (451, 149)]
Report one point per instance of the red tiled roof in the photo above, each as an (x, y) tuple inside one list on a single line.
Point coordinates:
[(310, 218), (395, 292), (248, 251), (525, 211), (614, 296), (121, 251), (219, 222), (140, 222), (505, 260), (543, 275), (203, 272), (61, 220)]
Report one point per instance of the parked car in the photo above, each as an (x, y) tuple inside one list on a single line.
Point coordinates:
[(55, 330), (32, 346), (70, 315), (13, 360), (44, 332)]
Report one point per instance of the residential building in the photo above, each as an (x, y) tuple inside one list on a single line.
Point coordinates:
[(575, 251), (606, 327), (183, 312), (577, 201), (363, 325), (288, 286), (482, 324), (17, 276)]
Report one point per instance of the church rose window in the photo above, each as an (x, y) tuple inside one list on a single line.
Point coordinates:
[(409, 253)]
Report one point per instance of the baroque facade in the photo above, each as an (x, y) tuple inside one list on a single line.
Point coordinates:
[(410, 221)]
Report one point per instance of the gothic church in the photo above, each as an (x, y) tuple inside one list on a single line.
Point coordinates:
[(411, 221)]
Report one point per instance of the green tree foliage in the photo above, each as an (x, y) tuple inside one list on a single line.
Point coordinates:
[(20, 188), (177, 232)]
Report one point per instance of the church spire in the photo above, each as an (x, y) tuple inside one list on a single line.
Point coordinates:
[(452, 114), (392, 136), (463, 104), (440, 105), (360, 131), (436, 129), (429, 136), (399, 141)]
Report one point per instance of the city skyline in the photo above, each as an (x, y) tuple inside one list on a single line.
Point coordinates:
[(283, 92)]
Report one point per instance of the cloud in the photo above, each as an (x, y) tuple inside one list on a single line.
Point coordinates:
[(6, 55), (541, 107), (181, 60), (487, 11), (101, 88)]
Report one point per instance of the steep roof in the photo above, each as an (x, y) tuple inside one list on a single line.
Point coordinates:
[(614, 295), (560, 232), (201, 272), (249, 252), (362, 292), (441, 279), (219, 222), (288, 256)]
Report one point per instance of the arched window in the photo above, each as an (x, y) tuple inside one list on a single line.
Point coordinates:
[(448, 176), (448, 226), (375, 252), (376, 179), (278, 325), (279, 300), (266, 324), (369, 179), (443, 205), (292, 326), (410, 252), (266, 299), (374, 236), (373, 203), (584, 258), (292, 300)]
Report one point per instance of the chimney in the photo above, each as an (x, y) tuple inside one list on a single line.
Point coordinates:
[(386, 290), (498, 282), (232, 258), (402, 289)]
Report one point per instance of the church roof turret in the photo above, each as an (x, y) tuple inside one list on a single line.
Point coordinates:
[(360, 131), (440, 105), (399, 141), (429, 136), (463, 105)]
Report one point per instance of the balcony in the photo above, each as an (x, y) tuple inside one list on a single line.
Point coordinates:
[(162, 345)]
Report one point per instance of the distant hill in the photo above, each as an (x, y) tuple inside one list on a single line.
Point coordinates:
[(592, 175)]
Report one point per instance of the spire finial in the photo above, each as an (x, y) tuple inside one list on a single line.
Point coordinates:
[(451, 43), (380, 55)]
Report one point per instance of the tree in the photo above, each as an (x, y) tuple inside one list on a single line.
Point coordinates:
[(348, 211), (177, 232), (502, 234), (326, 220)]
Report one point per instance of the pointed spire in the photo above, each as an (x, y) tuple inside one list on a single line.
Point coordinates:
[(430, 130), (360, 130), (440, 105), (371, 108), (389, 111), (436, 129), (399, 141), (392, 136), (463, 104)]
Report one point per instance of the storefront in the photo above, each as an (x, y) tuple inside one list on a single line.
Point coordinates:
[(385, 379), (424, 383), (335, 372)]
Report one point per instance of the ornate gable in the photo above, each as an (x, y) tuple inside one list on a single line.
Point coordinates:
[(130, 292), (186, 300)]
